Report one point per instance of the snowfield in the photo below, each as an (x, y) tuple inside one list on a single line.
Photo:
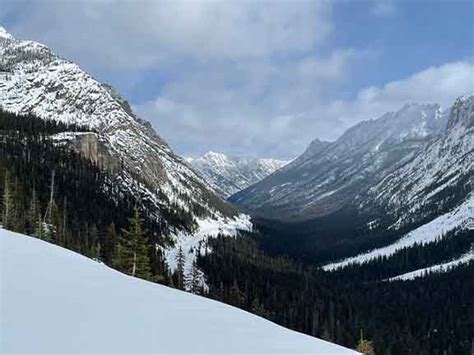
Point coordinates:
[(56, 301), (424, 234)]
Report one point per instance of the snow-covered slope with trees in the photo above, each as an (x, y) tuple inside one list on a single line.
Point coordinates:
[(230, 174), (37, 81), (460, 217), (57, 301), (438, 268)]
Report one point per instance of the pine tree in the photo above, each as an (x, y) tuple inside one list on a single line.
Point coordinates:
[(180, 262), (48, 212), (109, 244), (257, 308), (8, 203), (56, 223), (132, 255), (237, 297), (33, 214), (193, 279), (158, 265)]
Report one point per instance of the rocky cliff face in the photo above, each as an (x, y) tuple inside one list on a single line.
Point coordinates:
[(91, 146)]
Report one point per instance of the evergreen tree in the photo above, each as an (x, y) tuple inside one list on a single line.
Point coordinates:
[(108, 247), (158, 265), (193, 279), (34, 213), (180, 262), (132, 255), (8, 203), (237, 297), (257, 308)]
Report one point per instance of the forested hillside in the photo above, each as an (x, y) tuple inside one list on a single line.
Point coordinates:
[(423, 317), (49, 191)]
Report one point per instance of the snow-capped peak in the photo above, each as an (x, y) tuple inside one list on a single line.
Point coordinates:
[(229, 174), (327, 177), (216, 158), (4, 33), (462, 112)]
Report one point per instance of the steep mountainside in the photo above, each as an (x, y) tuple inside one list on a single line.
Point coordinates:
[(431, 195), (35, 80), (437, 179), (330, 176), (229, 174)]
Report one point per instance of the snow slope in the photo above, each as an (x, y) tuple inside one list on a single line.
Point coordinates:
[(207, 228), (57, 301), (424, 234), (230, 174), (445, 267)]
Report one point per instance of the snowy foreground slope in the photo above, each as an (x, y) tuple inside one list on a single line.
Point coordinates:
[(56, 301)]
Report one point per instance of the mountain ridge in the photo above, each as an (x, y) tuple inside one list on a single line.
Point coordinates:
[(320, 183)]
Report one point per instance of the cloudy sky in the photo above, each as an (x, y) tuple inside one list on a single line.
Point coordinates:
[(260, 78)]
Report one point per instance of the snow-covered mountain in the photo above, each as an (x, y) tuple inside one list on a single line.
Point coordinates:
[(368, 162), (57, 301), (230, 174), (408, 175), (35, 80), (437, 178)]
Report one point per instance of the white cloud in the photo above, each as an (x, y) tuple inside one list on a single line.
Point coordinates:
[(143, 33), (384, 8), (440, 85), (248, 77), (201, 114), (247, 107)]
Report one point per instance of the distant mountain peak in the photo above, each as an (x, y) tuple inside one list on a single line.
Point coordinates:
[(229, 174), (330, 176), (4, 33), (462, 112)]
